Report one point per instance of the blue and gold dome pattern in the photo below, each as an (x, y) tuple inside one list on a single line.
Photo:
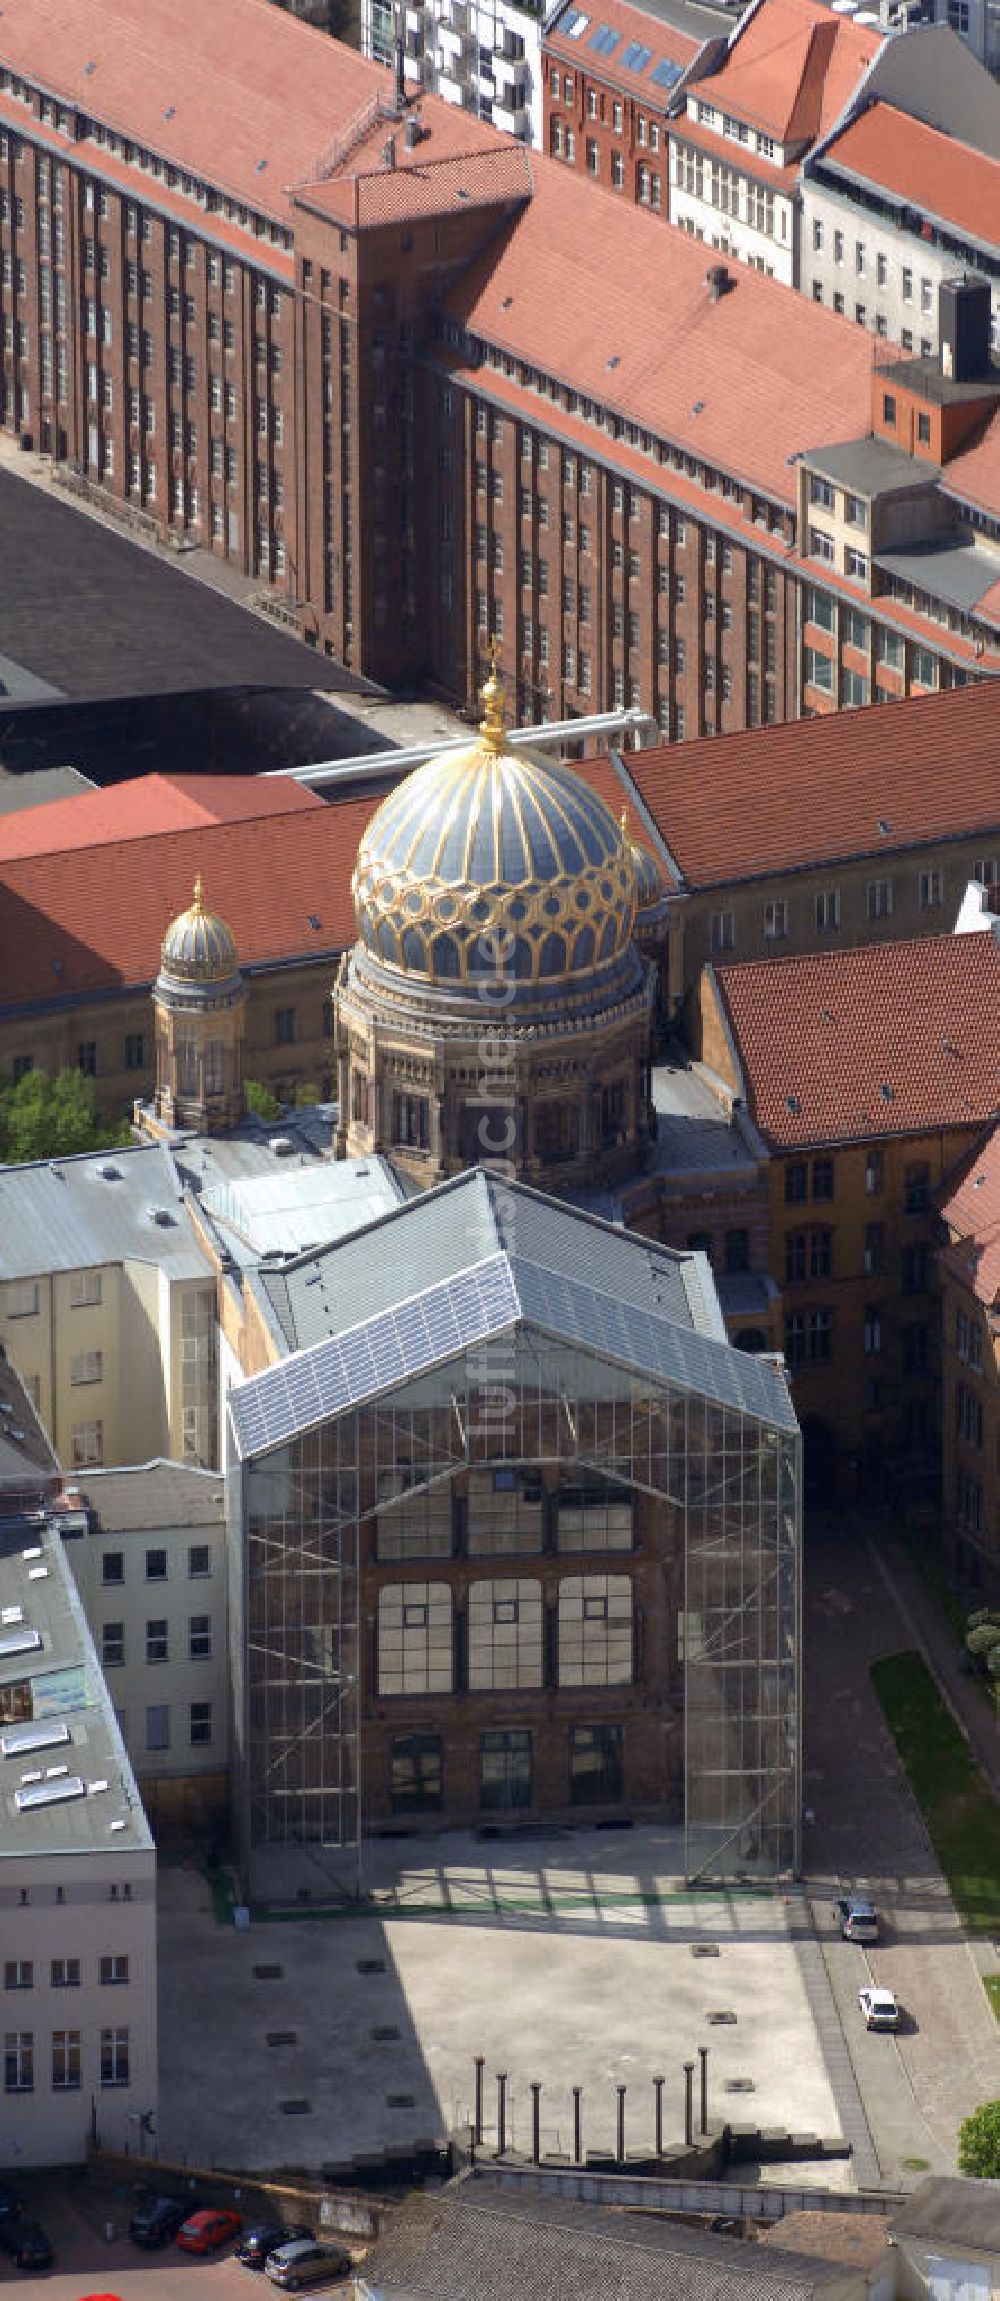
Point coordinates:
[(198, 947), (486, 844)]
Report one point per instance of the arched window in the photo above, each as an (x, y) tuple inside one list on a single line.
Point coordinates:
[(523, 960), (552, 960), (187, 1066), (608, 939), (215, 1067), (387, 942), (583, 949), (413, 949)]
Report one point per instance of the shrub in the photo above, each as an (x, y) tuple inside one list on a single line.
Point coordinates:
[(979, 2143)]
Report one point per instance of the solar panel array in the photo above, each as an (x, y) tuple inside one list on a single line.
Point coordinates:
[(652, 1345), (373, 1358)]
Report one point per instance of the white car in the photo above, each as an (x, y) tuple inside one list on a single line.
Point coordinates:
[(879, 2007)]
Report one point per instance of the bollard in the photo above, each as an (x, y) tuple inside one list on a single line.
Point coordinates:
[(658, 2090), (620, 2090), (577, 2125), (703, 2058), (688, 2104), (536, 2123), (501, 2111), (477, 2125)]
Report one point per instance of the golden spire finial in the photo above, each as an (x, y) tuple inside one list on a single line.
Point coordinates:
[(198, 904), (492, 727), (623, 827)]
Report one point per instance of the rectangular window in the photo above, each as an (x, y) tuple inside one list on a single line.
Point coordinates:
[(135, 1050), (775, 920), (878, 898), (86, 1366), (822, 1178), (931, 890), (826, 910), (87, 1445), (916, 1188), (723, 930), (114, 2057), (200, 1724), (18, 1973), (65, 2061), (596, 1765), (158, 1726), (200, 1637), (64, 1973), (112, 1645), (19, 2061), (156, 1641), (818, 670), (416, 1774)]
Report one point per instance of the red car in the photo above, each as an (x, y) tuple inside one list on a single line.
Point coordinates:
[(206, 2231)]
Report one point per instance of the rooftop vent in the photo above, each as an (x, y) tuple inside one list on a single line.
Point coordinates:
[(884, 827), (38, 1573), (50, 1793), (793, 1104), (413, 132), (163, 1218), (887, 1092), (17, 1435), (314, 922), (34, 1552), (110, 1173), (11, 1614), (94, 1787), (281, 1146), (118, 1825), (718, 281)]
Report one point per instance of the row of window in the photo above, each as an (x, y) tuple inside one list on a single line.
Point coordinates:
[(67, 2060), (64, 1972), (198, 1731), (827, 908), (507, 1639), (969, 1340), (815, 1178), (860, 260), (199, 1641), (810, 1334), (199, 1564), (595, 1762)]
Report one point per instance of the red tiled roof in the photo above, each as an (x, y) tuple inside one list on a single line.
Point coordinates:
[(563, 291), (923, 166), (892, 1039), (973, 1212), (974, 475), (424, 182), (147, 807), (239, 93), (87, 918), (629, 24), (791, 69), (816, 790)]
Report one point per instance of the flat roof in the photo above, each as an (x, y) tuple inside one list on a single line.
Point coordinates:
[(296, 1205), (147, 1495), (100, 1208), (871, 466), (963, 574), (66, 1785), (89, 611)]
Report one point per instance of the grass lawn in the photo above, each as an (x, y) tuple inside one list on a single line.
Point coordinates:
[(962, 1817), (991, 1984)]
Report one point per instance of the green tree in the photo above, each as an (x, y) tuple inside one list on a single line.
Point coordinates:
[(260, 1100), (45, 1117), (979, 2143)]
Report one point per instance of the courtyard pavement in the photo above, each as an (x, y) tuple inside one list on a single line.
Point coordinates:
[(579, 1959)]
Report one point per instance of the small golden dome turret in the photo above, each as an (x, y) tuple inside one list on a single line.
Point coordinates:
[(198, 947)]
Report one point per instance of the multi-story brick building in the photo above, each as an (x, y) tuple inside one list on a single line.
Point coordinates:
[(436, 340), (868, 1073), (841, 830), (609, 82), (968, 1270)]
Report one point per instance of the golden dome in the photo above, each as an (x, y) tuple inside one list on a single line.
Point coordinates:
[(488, 848), (198, 947), (650, 890)]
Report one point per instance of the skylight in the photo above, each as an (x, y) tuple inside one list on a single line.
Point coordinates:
[(21, 1739), (666, 73), (19, 1642), (604, 41), (50, 1793), (636, 57)]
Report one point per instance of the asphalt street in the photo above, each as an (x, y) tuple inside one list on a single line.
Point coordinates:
[(863, 1600)]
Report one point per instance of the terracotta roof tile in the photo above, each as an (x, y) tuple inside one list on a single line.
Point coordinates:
[(427, 181), (934, 173), (88, 918), (562, 293), (147, 807), (155, 74), (973, 1212), (974, 476), (891, 1039), (783, 798), (792, 68)]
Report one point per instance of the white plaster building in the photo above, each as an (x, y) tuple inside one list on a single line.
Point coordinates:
[(484, 55), (77, 1862), (150, 1566)]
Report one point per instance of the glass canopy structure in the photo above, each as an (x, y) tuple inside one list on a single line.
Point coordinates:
[(541, 1487)]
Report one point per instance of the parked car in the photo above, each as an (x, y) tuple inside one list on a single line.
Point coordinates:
[(204, 2232), (26, 2243), (306, 2262), (265, 2237), (158, 2219), (879, 2007), (857, 1917), (9, 2199)]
